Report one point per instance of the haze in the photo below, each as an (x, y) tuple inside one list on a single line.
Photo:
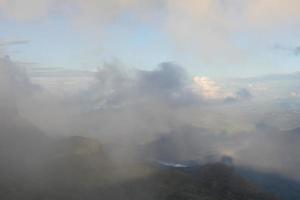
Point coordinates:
[(164, 81)]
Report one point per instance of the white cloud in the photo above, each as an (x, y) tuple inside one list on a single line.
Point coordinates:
[(207, 88)]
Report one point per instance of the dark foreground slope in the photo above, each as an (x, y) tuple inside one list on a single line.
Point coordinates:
[(281, 186), (211, 182), (36, 167)]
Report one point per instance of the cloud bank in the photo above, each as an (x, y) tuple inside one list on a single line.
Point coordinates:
[(139, 113)]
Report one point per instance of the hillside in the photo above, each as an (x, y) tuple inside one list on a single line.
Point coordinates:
[(283, 187), (38, 167)]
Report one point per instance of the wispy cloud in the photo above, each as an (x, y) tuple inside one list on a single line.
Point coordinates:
[(293, 50), (12, 42), (208, 27)]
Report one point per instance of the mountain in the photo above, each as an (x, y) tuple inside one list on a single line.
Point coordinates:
[(293, 133), (23, 150), (283, 187), (36, 166), (184, 143), (211, 182)]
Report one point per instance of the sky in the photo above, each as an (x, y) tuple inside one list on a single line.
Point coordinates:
[(163, 66), (215, 38)]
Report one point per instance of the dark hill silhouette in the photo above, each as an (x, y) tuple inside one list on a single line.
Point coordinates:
[(39, 167), (283, 187)]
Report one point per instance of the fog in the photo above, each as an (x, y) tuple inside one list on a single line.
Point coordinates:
[(139, 115)]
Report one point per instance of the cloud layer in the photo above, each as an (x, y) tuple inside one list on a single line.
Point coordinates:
[(132, 109), (210, 28)]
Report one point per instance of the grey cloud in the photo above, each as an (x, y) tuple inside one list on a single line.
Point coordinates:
[(168, 77), (13, 42), (293, 50), (168, 83), (15, 86), (297, 51), (131, 109), (14, 77), (243, 94)]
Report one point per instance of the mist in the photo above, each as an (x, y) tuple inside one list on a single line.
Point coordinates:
[(141, 115), (149, 99)]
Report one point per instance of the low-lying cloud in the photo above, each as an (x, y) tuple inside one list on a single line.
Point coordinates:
[(155, 114)]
